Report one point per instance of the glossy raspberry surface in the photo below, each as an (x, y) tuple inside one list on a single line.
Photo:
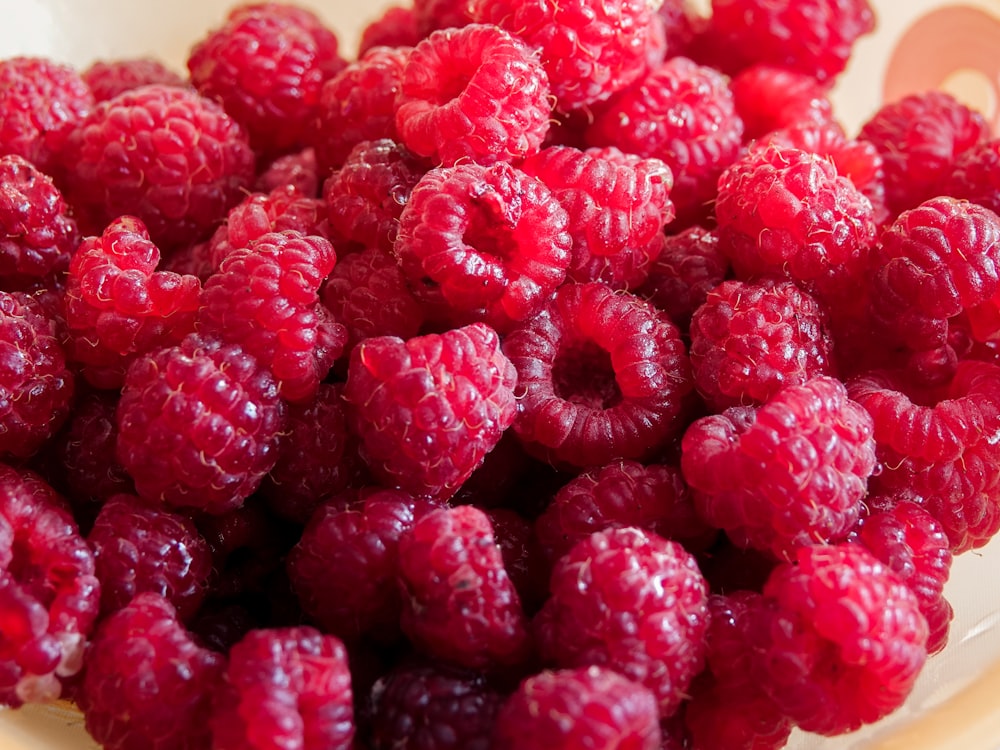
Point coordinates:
[(768, 97), (297, 170)]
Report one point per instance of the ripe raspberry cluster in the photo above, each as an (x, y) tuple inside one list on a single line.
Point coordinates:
[(548, 375)]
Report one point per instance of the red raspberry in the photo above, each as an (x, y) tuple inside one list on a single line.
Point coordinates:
[(617, 206), (920, 137), (840, 641), (109, 78), (41, 102), (37, 232), (631, 601), (473, 94), (459, 605), (324, 38), (36, 387), (575, 708), (48, 592), (148, 684), (975, 175), (166, 155), (683, 114), (396, 27), (681, 25), (431, 15), (751, 339), (197, 424), (285, 688), (589, 49), (265, 297), (118, 306), (137, 548), (483, 243), (821, 440), (601, 376), (770, 98), (625, 493), (522, 555), (344, 568), (297, 171)]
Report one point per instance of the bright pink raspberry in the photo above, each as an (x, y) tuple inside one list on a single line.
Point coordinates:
[(602, 375), (265, 297), (109, 78), (396, 27), (476, 93), (285, 688), (430, 408), (166, 155), (751, 339), (197, 424), (683, 114), (48, 592), (459, 604), (296, 171), (589, 49), (821, 440), (148, 684), (119, 306), (840, 640), (769, 98), (486, 243), (568, 709), (630, 601)]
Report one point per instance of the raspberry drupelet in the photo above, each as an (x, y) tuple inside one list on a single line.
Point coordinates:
[(476, 93), (109, 78), (601, 375)]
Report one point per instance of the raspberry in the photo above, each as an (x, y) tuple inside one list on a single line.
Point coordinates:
[(148, 684), (163, 154), (589, 49), (265, 297), (683, 114), (973, 175), (42, 102), (484, 243), (633, 602), (37, 232), (48, 592), (820, 438), (284, 688), (431, 15), (920, 137), (769, 98), (840, 640), (118, 306), (749, 340), (109, 78), (297, 171), (459, 605), (617, 206), (36, 387), (473, 94), (197, 424), (396, 27), (522, 555), (600, 376), (681, 25), (574, 708)]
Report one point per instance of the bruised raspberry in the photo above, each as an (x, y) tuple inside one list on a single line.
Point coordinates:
[(297, 171), (770, 98), (396, 27), (109, 78)]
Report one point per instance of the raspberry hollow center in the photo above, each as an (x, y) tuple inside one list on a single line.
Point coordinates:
[(582, 374)]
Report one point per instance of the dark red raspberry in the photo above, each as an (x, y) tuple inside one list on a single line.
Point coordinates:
[(476, 93), (751, 339), (197, 424), (459, 605), (975, 175), (920, 137), (170, 157), (285, 688), (769, 98), (730, 568), (109, 78), (298, 171), (683, 114), (48, 592), (821, 440), (486, 243), (36, 387), (396, 27), (569, 709), (651, 497), (193, 260), (265, 297), (37, 232), (840, 640), (936, 447), (631, 601), (617, 206), (148, 684), (523, 558), (119, 306), (589, 49), (602, 375), (813, 37), (345, 566), (433, 707), (41, 102)]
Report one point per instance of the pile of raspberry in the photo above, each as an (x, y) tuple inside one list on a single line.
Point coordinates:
[(547, 375)]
